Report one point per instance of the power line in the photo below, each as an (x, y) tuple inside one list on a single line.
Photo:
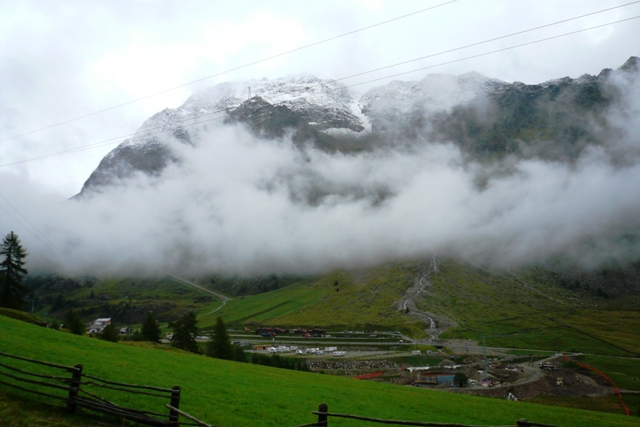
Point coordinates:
[(485, 41), (110, 140), (46, 243), (228, 71), (493, 51)]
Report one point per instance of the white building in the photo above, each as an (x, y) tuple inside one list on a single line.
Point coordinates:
[(98, 325)]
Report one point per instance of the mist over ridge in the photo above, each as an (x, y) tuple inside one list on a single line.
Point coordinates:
[(504, 175)]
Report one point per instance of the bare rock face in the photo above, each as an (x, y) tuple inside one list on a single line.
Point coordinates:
[(275, 121)]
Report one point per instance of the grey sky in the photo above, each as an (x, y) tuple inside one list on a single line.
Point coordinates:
[(60, 60)]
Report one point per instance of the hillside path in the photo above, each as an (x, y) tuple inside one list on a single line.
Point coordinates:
[(437, 324), (202, 288)]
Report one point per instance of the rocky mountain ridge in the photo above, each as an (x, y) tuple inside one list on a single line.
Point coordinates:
[(486, 118)]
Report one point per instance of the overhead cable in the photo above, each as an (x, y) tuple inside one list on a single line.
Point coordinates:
[(110, 140), (46, 242), (227, 71)]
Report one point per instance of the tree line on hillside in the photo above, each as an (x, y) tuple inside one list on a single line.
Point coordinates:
[(185, 333), (219, 346)]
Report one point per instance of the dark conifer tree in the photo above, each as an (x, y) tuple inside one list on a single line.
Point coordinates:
[(185, 331), (220, 345), (109, 333), (240, 355), (74, 323), (151, 329), (12, 291)]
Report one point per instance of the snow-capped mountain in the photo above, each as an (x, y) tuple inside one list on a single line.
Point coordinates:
[(324, 104), (483, 116)]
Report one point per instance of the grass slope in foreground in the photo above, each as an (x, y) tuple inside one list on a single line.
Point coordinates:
[(236, 394)]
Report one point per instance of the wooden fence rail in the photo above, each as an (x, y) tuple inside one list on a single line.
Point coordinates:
[(73, 388), (324, 414)]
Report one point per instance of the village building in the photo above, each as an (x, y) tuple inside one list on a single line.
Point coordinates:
[(98, 325)]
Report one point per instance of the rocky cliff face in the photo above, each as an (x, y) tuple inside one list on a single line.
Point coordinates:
[(487, 118)]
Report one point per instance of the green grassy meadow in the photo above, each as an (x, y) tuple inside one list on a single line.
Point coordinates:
[(528, 311), (624, 372), (235, 394), (361, 300)]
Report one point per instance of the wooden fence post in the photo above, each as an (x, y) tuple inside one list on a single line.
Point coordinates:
[(74, 387), (323, 418), (175, 402)]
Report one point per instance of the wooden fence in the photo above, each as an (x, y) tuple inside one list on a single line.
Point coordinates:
[(324, 415), (75, 395), (70, 390)]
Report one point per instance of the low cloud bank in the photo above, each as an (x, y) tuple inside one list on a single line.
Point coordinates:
[(236, 204)]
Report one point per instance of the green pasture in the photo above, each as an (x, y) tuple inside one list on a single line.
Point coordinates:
[(523, 311), (604, 404), (361, 300), (235, 394), (619, 327), (625, 372)]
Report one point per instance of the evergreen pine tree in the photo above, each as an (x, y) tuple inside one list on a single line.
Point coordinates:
[(74, 323), (109, 333), (240, 355), (185, 331), (12, 291), (151, 329), (220, 345)]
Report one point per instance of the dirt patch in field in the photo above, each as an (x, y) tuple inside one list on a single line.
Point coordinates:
[(572, 384)]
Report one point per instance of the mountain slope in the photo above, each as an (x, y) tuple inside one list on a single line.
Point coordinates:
[(486, 118)]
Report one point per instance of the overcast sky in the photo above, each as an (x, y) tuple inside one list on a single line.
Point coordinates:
[(64, 59)]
